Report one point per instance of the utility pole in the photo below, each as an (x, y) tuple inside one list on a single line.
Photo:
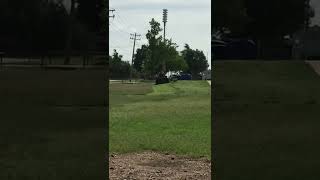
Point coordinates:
[(135, 35), (111, 10), (164, 20)]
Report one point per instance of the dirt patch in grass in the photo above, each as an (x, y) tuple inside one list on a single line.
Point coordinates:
[(151, 165)]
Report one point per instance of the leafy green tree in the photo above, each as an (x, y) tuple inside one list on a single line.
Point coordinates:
[(196, 60), (177, 64), (154, 61), (160, 56), (277, 18), (31, 26), (93, 14), (118, 68), (230, 14), (140, 58), (173, 61), (273, 19)]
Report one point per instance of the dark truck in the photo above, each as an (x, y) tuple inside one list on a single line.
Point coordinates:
[(234, 49), (182, 76), (162, 79)]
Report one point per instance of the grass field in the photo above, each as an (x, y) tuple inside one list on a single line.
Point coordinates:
[(266, 119), (173, 118), (52, 124)]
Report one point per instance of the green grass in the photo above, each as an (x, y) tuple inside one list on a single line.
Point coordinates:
[(174, 118), (266, 120), (52, 124)]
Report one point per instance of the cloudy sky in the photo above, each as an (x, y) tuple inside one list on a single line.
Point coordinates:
[(188, 22)]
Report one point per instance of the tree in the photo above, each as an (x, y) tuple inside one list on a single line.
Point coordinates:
[(177, 64), (69, 37), (195, 59), (140, 58), (277, 18), (274, 19), (93, 14), (159, 54), (229, 14), (173, 61), (31, 26), (118, 68), (86, 19), (153, 63)]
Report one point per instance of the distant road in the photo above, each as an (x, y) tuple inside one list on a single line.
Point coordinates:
[(19, 60), (315, 65)]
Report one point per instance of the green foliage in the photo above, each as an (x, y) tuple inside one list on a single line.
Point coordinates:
[(140, 58), (158, 55), (118, 69), (196, 60), (262, 18), (93, 14), (40, 25), (177, 64), (34, 25), (277, 18), (230, 14)]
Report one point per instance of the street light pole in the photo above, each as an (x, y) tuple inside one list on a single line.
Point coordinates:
[(164, 20)]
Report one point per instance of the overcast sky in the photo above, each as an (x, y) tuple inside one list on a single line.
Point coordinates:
[(188, 22)]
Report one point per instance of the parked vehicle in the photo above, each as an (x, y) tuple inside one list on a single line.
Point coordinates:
[(219, 49), (174, 77), (234, 49), (185, 76), (206, 75), (162, 79)]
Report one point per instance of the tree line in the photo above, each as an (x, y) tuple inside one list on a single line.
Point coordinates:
[(159, 56), (37, 26), (264, 21), (262, 18)]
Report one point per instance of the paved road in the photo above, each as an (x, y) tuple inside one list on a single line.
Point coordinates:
[(315, 65)]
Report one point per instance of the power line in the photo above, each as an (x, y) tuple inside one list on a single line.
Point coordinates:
[(121, 29), (123, 48), (117, 30), (124, 22), (112, 10)]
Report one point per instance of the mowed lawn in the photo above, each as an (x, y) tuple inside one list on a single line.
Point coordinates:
[(173, 118), (266, 119), (52, 124)]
